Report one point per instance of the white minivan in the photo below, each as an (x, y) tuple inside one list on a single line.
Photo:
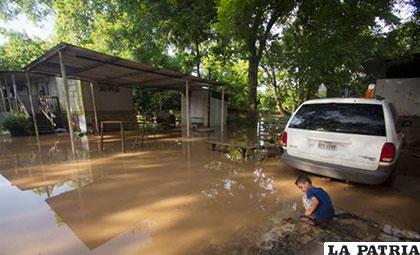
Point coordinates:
[(353, 139)]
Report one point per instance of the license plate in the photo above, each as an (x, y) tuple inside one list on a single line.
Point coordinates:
[(327, 146)]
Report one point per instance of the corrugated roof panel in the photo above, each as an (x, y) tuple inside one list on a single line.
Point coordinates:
[(86, 64)]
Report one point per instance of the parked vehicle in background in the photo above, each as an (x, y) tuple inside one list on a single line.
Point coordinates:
[(353, 139)]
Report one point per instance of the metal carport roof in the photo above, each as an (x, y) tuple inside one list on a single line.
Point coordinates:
[(72, 62), (89, 65)]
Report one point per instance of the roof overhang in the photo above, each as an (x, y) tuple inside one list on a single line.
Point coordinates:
[(89, 65), (19, 77)]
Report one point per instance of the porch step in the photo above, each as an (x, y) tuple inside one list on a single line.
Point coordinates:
[(44, 125)]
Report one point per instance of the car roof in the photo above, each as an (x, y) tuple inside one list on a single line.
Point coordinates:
[(347, 100)]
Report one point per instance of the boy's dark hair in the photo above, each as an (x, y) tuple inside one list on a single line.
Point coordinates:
[(303, 179)]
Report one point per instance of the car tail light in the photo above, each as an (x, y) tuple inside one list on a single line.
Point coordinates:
[(284, 139), (387, 153)]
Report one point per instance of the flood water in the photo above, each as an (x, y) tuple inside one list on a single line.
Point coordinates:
[(173, 196)]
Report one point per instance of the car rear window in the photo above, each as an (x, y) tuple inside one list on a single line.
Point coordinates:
[(365, 119)]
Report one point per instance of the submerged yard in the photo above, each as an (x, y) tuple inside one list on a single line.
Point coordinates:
[(171, 196)]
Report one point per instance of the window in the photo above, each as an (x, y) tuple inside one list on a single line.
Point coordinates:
[(365, 119)]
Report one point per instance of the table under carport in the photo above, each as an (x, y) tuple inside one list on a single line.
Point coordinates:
[(71, 62)]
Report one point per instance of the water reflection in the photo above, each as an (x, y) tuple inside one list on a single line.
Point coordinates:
[(106, 198), (167, 197)]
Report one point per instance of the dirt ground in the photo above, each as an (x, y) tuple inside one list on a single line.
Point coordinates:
[(177, 196)]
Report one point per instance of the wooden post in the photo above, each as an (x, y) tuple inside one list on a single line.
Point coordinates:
[(94, 108), (222, 117), (28, 85), (8, 94), (66, 100), (122, 137), (102, 136), (15, 91), (2, 97), (208, 107), (160, 102), (187, 105)]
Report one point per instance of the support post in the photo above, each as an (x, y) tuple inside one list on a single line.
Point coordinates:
[(28, 85), (15, 91), (160, 102), (209, 107), (222, 117), (187, 105), (8, 94), (94, 108), (2, 97), (102, 136), (66, 100), (122, 137)]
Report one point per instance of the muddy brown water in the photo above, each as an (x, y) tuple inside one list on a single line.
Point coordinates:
[(168, 197)]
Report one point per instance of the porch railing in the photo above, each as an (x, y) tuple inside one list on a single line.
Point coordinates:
[(50, 108), (11, 104)]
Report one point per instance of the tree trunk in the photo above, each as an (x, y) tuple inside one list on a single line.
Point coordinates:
[(278, 104), (252, 84), (275, 88), (197, 58)]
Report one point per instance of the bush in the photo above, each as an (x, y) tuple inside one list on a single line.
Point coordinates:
[(17, 124)]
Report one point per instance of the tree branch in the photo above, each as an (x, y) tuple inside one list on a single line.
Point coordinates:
[(263, 39)]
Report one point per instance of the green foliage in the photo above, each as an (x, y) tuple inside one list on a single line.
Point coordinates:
[(290, 47), (188, 25), (19, 50), (34, 9), (267, 102), (250, 23), (17, 124), (234, 74), (150, 102), (402, 42), (327, 42)]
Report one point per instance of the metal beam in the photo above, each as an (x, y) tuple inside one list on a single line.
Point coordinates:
[(8, 94), (2, 97), (15, 91), (93, 66), (148, 82), (126, 75), (66, 100), (222, 117), (94, 107), (149, 70), (187, 105), (208, 107), (28, 85), (53, 69)]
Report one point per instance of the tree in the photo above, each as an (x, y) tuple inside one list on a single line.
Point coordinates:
[(250, 22), (188, 25), (289, 46), (327, 43), (19, 50), (34, 9)]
